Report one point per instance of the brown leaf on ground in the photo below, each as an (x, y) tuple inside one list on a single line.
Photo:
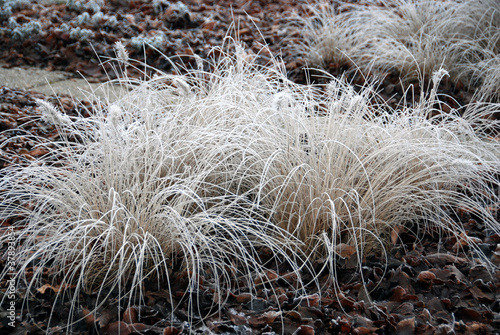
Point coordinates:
[(304, 330), (294, 315), (117, 328), (38, 152), (481, 296), (310, 300), (406, 327), (395, 234), (88, 317), (130, 315), (361, 331), (237, 318), (241, 298), (171, 331), (267, 318), (478, 328), (56, 288), (441, 259), (398, 293), (122, 328), (345, 250), (495, 258), (468, 315), (313, 313), (267, 276), (107, 315), (426, 277)]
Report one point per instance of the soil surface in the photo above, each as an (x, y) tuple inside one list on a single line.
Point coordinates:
[(429, 284)]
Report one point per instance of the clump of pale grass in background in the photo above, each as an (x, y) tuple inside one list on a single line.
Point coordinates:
[(329, 35), (204, 171), (413, 38), (481, 58)]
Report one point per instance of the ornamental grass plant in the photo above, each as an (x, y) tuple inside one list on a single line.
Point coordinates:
[(209, 170), (410, 38)]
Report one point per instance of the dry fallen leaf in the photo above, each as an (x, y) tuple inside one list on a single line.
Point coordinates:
[(426, 277), (361, 331), (398, 294), (171, 331), (442, 259), (481, 296), (495, 258), (304, 330), (130, 315), (38, 152), (237, 318), (107, 314), (241, 298), (267, 318), (406, 327), (395, 232), (56, 288), (345, 250), (117, 328), (294, 315), (88, 317), (310, 300), (121, 328), (469, 315), (267, 276)]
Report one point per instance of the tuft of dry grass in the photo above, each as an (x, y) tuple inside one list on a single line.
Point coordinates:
[(205, 170), (164, 178), (413, 38)]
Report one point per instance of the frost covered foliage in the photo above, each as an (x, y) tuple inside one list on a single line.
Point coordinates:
[(6, 6), (94, 5), (209, 170), (415, 38), (155, 41), (26, 30)]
